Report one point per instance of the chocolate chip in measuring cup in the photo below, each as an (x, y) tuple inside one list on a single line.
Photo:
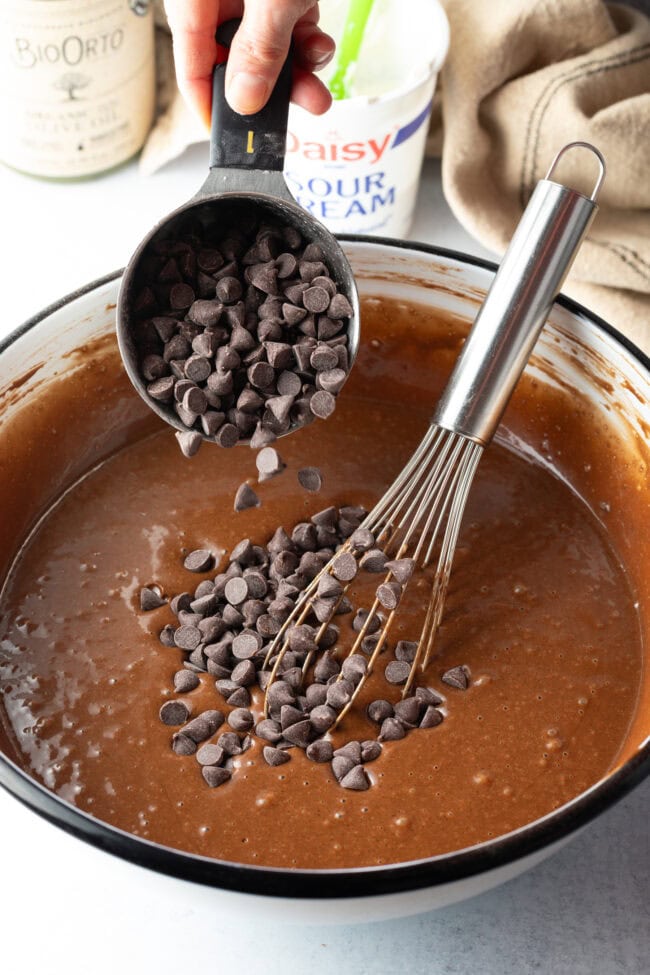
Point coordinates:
[(233, 318)]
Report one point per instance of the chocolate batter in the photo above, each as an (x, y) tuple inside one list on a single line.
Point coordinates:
[(539, 609)]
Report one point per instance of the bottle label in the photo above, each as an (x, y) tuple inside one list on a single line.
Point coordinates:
[(77, 83)]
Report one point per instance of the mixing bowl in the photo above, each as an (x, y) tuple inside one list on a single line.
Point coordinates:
[(576, 352)]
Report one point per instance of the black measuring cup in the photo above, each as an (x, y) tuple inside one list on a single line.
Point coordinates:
[(245, 186)]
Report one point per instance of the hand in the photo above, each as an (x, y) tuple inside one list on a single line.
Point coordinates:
[(257, 53)]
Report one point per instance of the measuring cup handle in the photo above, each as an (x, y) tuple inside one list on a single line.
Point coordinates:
[(254, 142)]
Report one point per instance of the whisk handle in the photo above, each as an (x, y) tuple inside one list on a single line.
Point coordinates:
[(516, 307)]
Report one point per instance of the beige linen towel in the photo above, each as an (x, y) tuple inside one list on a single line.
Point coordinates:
[(522, 78)]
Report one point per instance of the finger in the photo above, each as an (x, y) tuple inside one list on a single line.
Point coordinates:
[(309, 92), (193, 24), (313, 47), (259, 49)]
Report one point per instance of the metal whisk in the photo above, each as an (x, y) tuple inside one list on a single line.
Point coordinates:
[(419, 517)]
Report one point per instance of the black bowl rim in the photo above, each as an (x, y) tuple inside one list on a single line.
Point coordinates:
[(338, 884)]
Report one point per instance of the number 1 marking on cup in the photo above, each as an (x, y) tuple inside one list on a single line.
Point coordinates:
[(249, 144)]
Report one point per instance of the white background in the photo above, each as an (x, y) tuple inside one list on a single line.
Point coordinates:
[(584, 912)]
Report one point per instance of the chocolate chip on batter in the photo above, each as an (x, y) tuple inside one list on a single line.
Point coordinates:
[(201, 560), (174, 712), (379, 710), (230, 742), (406, 650), (215, 776), (187, 637), (341, 765), (370, 750), (184, 681), (241, 719), (431, 718), (310, 478), (275, 756), (182, 745), (151, 599), (210, 755), (204, 725), (397, 672), (458, 677), (408, 711), (356, 778), (322, 717), (344, 567), (391, 730), (319, 751)]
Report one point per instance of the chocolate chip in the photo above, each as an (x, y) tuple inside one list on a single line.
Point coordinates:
[(299, 733), (204, 725), (210, 755), (246, 644), (269, 730), (326, 668), (185, 681), (344, 567), (310, 478), (428, 696), (374, 560), (431, 718), (391, 730), (408, 710), (239, 698), (339, 694), (356, 778), (189, 441), (275, 756), (354, 667), (319, 751), (215, 776), (200, 560), (187, 637), (322, 404), (230, 742), (351, 750), (379, 710), (370, 751), (150, 599), (402, 569), (228, 435), (241, 719), (397, 672), (389, 594), (341, 765), (162, 390), (332, 380), (322, 717), (236, 590), (174, 712), (182, 745), (269, 463), (458, 677), (181, 297)]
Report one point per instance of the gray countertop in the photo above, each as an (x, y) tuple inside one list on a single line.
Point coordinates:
[(583, 912)]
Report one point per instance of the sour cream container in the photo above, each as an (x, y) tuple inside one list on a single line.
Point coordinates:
[(357, 167)]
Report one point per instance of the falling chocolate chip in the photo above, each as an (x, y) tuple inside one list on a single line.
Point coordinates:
[(269, 463), (189, 441), (310, 478)]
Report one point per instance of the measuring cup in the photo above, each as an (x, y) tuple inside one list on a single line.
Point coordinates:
[(245, 186)]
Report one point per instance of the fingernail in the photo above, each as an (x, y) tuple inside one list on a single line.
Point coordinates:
[(247, 93), (320, 57)]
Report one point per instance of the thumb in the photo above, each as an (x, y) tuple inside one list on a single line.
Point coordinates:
[(258, 51)]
